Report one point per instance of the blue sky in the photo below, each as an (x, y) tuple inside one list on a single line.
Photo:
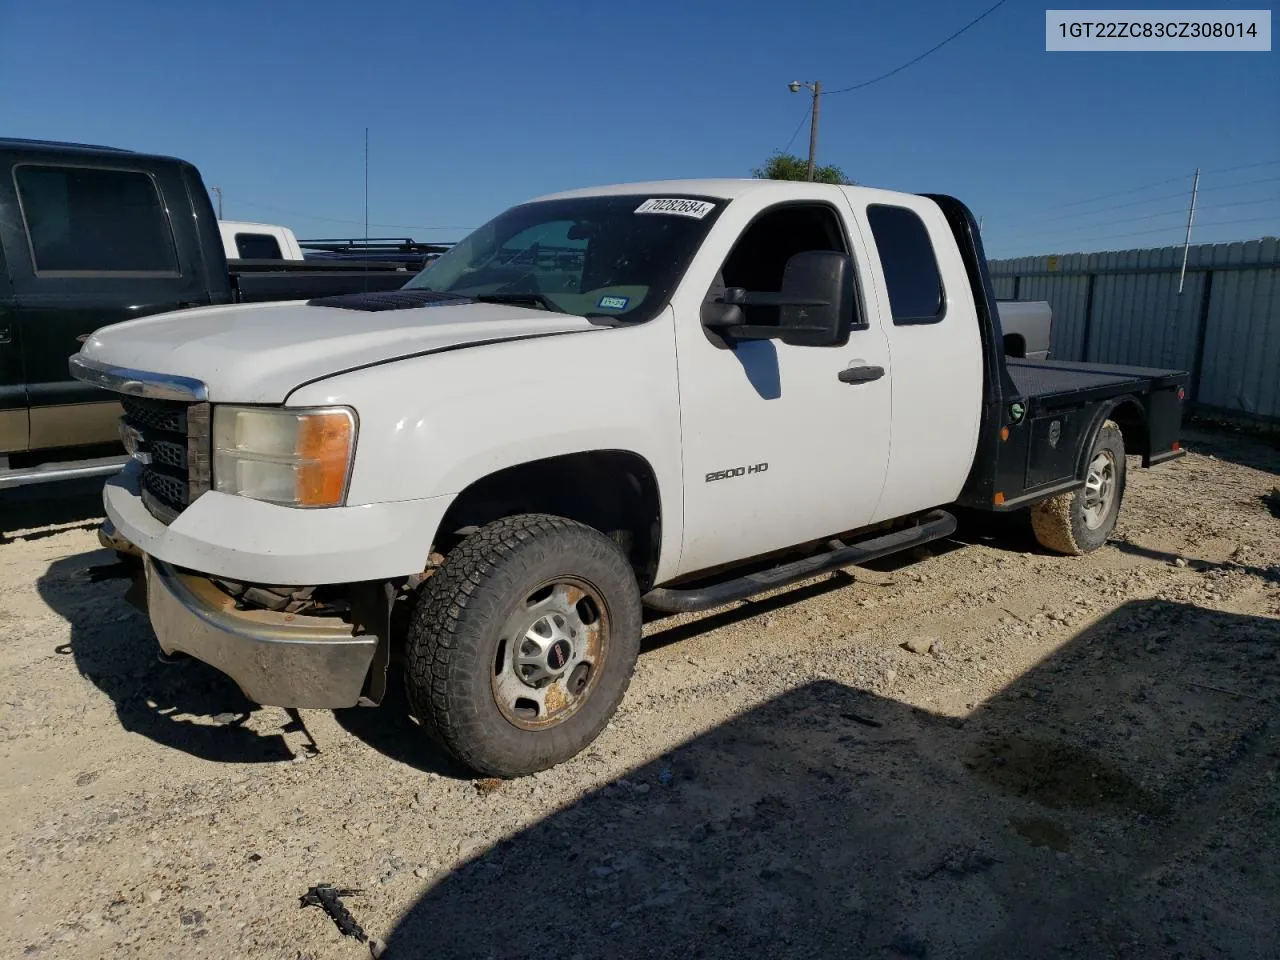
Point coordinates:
[(475, 106)]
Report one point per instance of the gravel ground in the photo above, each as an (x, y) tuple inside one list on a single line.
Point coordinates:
[(979, 751)]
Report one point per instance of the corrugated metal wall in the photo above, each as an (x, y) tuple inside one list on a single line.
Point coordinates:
[(1124, 307)]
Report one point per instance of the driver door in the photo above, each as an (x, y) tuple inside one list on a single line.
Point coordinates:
[(777, 449)]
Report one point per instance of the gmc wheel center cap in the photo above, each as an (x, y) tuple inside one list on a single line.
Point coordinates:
[(558, 654)]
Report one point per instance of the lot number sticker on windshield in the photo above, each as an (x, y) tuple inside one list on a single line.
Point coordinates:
[(680, 208)]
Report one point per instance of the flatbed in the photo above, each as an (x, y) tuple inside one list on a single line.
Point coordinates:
[(1047, 381)]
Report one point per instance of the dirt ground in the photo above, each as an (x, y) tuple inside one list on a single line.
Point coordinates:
[(1080, 757)]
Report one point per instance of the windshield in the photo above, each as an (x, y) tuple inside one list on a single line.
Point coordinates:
[(602, 256)]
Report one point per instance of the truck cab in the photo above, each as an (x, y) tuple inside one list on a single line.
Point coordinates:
[(243, 240), (91, 236), (673, 395)]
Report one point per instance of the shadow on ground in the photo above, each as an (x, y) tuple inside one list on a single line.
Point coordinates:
[(1118, 800), (185, 705), (1256, 448), (391, 730), (63, 505), (1271, 573)]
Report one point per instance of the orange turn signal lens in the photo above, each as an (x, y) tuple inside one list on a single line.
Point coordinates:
[(324, 454), (998, 499), (1004, 433)]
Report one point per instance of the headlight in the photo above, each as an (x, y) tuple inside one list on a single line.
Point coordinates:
[(301, 458)]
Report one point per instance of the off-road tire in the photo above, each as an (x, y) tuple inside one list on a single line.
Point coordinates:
[(1059, 522), (454, 635)]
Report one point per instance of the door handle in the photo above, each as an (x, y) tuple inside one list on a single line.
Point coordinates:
[(860, 374), (6, 335)]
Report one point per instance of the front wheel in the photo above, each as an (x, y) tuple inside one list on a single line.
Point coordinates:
[(1081, 521), (522, 645)]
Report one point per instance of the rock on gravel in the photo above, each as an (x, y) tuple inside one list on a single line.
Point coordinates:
[(920, 645)]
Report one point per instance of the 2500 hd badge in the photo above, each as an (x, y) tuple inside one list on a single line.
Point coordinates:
[(736, 472)]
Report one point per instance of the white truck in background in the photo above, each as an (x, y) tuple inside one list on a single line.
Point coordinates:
[(674, 395), (244, 240)]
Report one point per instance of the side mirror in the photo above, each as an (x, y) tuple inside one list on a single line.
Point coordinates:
[(722, 316), (817, 299), (815, 305)]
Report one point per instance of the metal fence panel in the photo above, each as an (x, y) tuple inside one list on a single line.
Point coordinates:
[(1124, 307), (1241, 365)]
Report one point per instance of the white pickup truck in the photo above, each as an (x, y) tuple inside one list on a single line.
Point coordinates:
[(671, 395), (242, 240)]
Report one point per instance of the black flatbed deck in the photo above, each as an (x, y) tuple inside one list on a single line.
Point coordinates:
[(1049, 378)]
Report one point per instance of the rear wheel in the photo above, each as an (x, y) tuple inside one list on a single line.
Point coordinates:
[(521, 647), (1081, 521)]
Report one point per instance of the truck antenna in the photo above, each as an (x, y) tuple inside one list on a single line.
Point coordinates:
[(366, 208)]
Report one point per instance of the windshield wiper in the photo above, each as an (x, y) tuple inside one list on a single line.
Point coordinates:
[(519, 300)]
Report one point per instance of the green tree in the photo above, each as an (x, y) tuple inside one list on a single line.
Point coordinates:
[(786, 166)]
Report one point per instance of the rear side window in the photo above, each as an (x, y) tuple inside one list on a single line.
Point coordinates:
[(84, 220), (257, 246), (910, 267)]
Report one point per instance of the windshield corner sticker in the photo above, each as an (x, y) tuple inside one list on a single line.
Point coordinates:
[(613, 303), (680, 208)]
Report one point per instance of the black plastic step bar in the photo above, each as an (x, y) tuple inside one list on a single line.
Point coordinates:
[(934, 525)]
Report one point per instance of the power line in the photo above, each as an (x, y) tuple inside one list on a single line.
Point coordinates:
[(1123, 193), (1166, 196), (1118, 206), (1161, 183), (1170, 213), (355, 223), (1033, 230), (1244, 166), (885, 76), (1146, 233), (1247, 183), (795, 133)]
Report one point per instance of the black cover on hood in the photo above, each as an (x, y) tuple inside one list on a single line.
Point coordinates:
[(388, 300)]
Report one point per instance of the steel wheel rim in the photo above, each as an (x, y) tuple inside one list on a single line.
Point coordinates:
[(1099, 489), (551, 653)]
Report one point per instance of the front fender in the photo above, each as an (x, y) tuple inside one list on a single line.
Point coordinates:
[(433, 425)]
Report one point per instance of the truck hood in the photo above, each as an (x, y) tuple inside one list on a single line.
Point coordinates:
[(259, 353)]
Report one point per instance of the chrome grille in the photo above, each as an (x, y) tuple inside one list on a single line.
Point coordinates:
[(172, 440)]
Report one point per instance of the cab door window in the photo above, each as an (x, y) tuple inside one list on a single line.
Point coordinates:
[(759, 258), (88, 221)]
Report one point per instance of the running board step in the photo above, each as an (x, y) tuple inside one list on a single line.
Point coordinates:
[(68, 470), (932, 526)]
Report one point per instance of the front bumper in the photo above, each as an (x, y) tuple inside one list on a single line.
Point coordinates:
[(277, 659), (254, 542)]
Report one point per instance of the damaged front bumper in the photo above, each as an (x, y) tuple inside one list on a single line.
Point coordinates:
[(277, 659), (113, 539)]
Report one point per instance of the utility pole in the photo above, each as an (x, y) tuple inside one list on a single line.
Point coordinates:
[(1191, 216), (217, 192), (816, 89), (813, 127)]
